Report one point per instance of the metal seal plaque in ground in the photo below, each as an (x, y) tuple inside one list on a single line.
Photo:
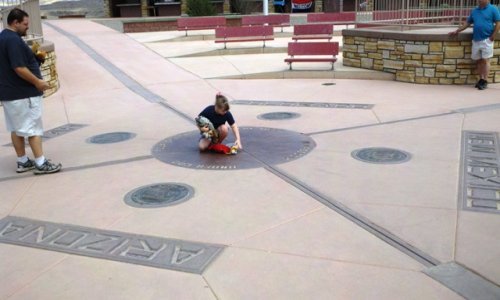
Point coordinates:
[(111, 137), (262, 146), (381, 155), (281, 115), (159, 195)]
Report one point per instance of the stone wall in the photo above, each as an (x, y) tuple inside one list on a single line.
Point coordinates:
[(48, 68), (417, 58)]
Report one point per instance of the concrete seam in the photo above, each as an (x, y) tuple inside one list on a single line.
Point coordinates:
[(22, 196), (379, 124), (358, 219), (325, 259), (116, 72), (210, 287), (65, 109), (90, 166), (376, 116), (459, 186), (65, 256), (236, 68), (278, 225)]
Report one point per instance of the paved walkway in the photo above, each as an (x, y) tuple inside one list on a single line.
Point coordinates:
[(320, 226)]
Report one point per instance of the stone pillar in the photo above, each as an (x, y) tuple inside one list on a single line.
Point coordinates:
[(144, 8), (227, 7), (107, 9), (318, 6), (270, 6), (48, 68), (184, 7), (370, 5)]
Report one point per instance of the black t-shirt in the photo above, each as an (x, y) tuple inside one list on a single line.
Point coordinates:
[(14, 53), (215, 118)]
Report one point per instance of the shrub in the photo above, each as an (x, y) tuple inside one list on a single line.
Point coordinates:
[(244, 7), (200, 8)]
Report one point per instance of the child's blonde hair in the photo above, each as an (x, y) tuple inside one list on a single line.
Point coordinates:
[(221, 102)]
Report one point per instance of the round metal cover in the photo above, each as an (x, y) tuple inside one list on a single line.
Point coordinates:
[(111, 137), (381, 155), (262, 146), (159, 195), (278, 116)]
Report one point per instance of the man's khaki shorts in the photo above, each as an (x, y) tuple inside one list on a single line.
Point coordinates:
[(482, 49), (24, 116)]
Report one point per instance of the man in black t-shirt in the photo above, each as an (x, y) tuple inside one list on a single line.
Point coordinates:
[(21, 91), (219, 114)]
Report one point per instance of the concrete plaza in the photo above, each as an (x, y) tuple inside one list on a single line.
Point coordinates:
[(320, 225)]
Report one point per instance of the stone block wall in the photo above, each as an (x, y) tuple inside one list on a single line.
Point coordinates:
[(437, 60)]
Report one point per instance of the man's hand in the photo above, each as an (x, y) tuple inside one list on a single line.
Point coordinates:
[(42, 85), (453, 33), (204, 128)]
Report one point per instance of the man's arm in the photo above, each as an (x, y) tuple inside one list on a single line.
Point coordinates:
[(460, 29), (26, 74), (497, 29)]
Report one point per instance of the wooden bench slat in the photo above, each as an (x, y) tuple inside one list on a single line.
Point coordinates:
[(244, 34), (312, 31), (290, 60), (312, 37), (243, 39), (308, 49)]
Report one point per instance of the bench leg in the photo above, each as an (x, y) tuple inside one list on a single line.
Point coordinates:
[(332, 66), (186, 33), (290, 66), (264, 46)]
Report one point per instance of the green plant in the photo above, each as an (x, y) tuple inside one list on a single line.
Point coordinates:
[(244, 7), (200, 8)]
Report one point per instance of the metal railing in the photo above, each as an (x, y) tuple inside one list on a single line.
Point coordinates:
[(32, 7), (414, 12)]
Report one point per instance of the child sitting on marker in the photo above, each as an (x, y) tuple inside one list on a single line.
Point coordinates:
[(218, 114)]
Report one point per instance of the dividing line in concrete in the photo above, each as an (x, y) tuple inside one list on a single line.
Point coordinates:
[(467, 110), (126, 80), (353, 216), (380, 124), (479, 108), (464, 282), (90, 166)]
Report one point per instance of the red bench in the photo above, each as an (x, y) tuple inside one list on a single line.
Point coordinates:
[(327, 51), (244, 34), (343, 18), (199, 23), (312, 31), (272, 20)]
